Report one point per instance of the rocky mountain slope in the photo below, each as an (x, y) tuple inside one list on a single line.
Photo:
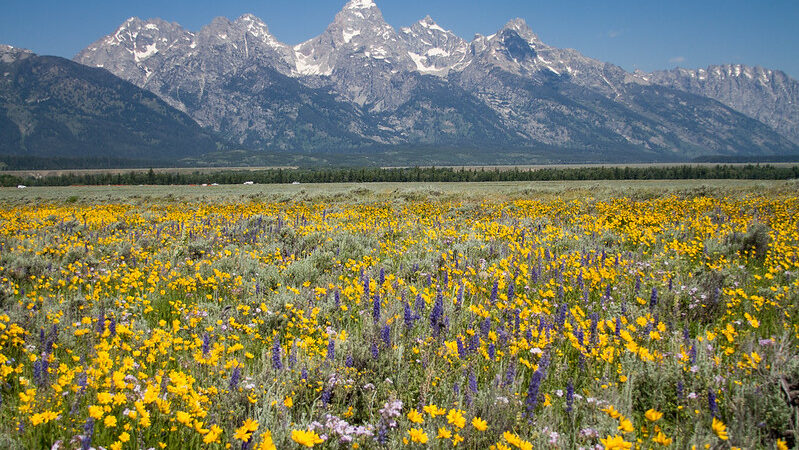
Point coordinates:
[(362, 84), (770, 96), (53, 107)]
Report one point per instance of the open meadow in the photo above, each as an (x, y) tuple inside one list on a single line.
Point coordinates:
[(625, 314)]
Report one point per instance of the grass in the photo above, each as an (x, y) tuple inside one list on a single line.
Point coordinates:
[(490, 315)]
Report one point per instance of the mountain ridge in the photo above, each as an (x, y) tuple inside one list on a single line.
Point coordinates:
[(367, 73)]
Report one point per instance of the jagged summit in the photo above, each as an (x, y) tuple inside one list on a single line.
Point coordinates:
[(360, 4), (424, 84)]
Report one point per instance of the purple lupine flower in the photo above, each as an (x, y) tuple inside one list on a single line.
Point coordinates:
[(382, 435), (637, 285), (366, 287), (326, 394), (331, 350), (692, 354), (277, 363), (532, 393), (382, 276), (671, 283), (485, 326), (408, 316), (474, 343), (88, 432), (235, 376), (472, 381), (375, 350), (653, 299), (569, 397), (206, 344), (510, 375), (39, 372), (711, 402), (461, 348), (376, 307), (445, 283), (304, 374), (492, 350), (562, 310), (534, 275), (460, 296), (112, 327), (686, 335), (337, 299), (292, 356), (386, 335), (437, 315), (494, 292), (511, 290), (618, 327), (349, 361), (420, 305), (456, 390), (680, 390)]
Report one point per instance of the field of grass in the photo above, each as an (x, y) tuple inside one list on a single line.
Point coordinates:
[(493, 315)]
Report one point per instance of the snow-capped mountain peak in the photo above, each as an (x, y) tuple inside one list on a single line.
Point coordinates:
[(434, 50), (360, 4)]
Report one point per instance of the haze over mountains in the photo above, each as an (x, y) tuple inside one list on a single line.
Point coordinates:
[(361, 86)]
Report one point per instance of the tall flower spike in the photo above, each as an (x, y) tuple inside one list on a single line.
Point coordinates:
[(277, 363)]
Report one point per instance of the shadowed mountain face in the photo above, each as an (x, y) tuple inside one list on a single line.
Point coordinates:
[(362, 84), (51, 106)]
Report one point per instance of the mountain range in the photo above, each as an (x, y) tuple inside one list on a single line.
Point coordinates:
[(53, 107), (363, 86)]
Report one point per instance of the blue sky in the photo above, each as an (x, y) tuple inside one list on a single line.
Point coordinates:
[(634, 34)]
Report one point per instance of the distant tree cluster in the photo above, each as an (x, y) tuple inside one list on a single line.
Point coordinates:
[(415, 174)]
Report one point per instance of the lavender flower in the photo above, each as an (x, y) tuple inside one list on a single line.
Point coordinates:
[(653, 300), (326, 395), (408, 316), (88, 432), (331, 350), (277, 364), (532, 393), (474, 343), (711, 401), (376, 308), (569, 397), (386, 335), (206, 344), (472, 381), (485, 326), (510, 375), (437, 315), (235, 376), (420, 305)]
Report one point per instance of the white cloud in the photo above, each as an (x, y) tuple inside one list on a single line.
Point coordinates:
[(677, 60), (615, 33)]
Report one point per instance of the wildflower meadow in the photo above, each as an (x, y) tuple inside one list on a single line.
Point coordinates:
[(404, 320)]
